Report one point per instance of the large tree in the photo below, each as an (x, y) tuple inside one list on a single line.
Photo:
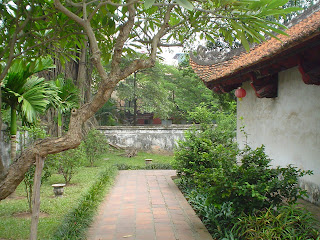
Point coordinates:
[(30, 29), (151, 24)]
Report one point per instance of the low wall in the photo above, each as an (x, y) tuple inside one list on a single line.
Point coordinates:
[(157, 139), (5, 145), (5, 149)]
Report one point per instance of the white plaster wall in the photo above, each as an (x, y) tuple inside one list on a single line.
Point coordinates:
[(289, 125), (147, 138), (22, 138)]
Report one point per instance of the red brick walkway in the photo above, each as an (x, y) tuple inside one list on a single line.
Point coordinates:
[(146, 205)]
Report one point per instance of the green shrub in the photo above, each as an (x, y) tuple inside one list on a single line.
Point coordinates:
[(222, 182), (66, 163), (217, 218), (286, 222), (28, 135), (95, 144), (124, 166), (207, 146), (29, 180), (158, 166), (252, 185)]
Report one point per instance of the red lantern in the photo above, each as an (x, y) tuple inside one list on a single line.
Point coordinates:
[(240, 93)]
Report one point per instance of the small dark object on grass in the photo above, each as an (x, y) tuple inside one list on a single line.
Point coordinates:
[(130, 153)]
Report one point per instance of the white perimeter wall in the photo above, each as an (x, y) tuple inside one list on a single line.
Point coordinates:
[(288, 126), (157, 139)]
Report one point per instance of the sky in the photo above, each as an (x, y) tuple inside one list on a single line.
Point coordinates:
[(169, 53)]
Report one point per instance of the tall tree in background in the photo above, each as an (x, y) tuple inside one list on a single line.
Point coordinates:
[(168, 91), (124, 25), (147, 90)]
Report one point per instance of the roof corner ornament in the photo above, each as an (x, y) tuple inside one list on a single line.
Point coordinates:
[(204, 56)]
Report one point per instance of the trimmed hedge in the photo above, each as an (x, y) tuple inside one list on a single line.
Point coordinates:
[(78, 220)]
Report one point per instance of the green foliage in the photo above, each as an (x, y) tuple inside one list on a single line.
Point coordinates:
[(218, 218), (222, 182), (124, 166), (68, 162), (78, 220), (45, 35), (68, 95), (202, 114), (34, 132), (26, 94), (95, 144), (29, 180), (108, 114), (285, 222), (252, 185), (190, 92), (165, 91), (29, 134), (148, 89), (207, 146)]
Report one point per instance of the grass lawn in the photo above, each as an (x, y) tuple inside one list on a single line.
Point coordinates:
[(54, 209), (139, 160)]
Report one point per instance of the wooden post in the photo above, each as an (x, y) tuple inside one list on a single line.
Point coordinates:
[(36, 198)]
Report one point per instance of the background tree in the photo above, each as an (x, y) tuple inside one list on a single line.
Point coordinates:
[(146, 91), (167, 24), (95, 144), (168, 91)]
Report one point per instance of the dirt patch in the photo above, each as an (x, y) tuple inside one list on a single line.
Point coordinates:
[(14, 196), (71, 184), (28, 215)]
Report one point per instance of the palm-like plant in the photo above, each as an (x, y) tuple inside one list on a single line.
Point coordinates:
[(68, 94), (26, 94)]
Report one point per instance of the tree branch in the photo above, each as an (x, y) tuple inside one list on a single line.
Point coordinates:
[(141, 63), (161, 33), (73, 4), (108, 3), (68, 13), (124, 32)]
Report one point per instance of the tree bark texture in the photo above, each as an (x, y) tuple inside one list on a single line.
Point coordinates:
[(82, 78), (1, 163), (36, 198), (13, 149)]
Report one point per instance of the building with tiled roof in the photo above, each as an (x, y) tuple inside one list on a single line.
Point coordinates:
[(282, 81)]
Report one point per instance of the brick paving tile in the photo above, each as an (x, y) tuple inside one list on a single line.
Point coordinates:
[(146, 205)]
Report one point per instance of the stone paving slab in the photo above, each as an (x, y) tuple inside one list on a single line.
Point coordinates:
[(146, 205)]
